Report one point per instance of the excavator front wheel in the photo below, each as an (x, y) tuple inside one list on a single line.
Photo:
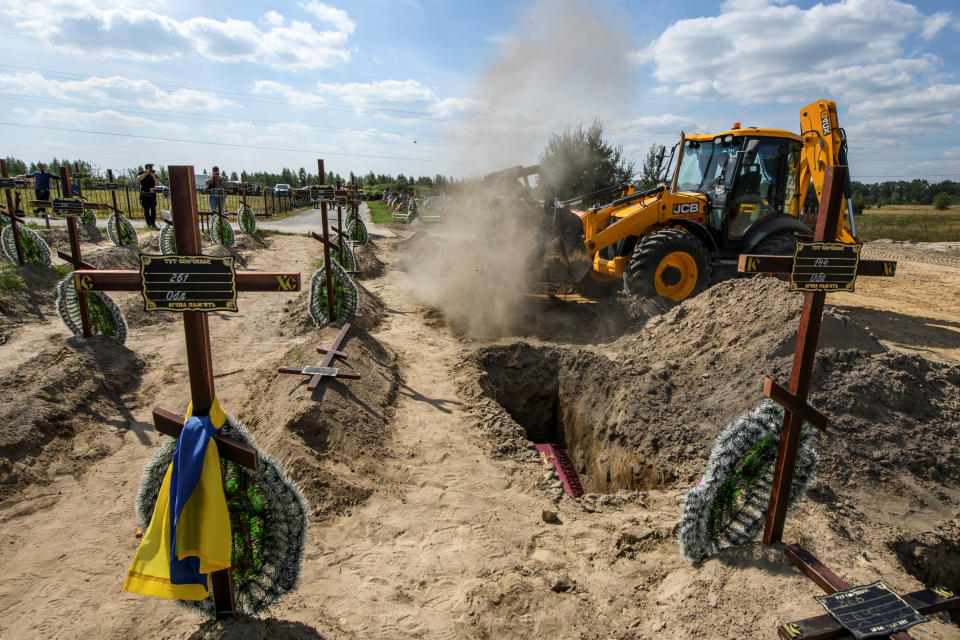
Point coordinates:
[(670, 263)]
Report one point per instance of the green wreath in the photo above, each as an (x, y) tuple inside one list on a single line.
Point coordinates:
[(35, 249), (347, 259), (106, 318), (220, 230), (246, 219), (728, 506), (357, 231), (345, 295), (4, 221), (88, 218), (268, 517), (165, 239), (128, 235)]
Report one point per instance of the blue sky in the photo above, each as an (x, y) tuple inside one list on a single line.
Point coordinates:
[(460, 88)]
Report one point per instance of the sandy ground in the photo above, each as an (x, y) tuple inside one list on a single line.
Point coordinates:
[(449, 540)]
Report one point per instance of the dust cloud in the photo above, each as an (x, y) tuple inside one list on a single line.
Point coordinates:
[(564, 62)]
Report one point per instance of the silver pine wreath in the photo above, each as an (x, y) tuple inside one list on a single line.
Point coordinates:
[(357, 231), (269, 520), (220, 231), (246, 219), (35, 249), (106, 318), (166, 240), (126, 229), (728, 506), (345, 295)]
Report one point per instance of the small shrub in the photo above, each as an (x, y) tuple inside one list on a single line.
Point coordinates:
[(941, 201)]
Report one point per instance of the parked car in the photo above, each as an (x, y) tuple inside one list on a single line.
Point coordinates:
[(282, 190)]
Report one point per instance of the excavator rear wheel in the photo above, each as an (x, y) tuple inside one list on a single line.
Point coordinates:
[(778, 244), (670, 263)]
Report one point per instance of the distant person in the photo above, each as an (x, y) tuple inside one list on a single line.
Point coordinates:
[(215, 181), (148, 199), (41, 184)]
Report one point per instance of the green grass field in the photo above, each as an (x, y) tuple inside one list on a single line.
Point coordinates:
[(380, 213), (909, 222)]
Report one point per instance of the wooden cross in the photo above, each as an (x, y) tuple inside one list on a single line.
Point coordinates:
[(14, 220), (324, 370), (117, 214), (197, 334), (826, 627), (75, 258), (326, 249), (794, 400)]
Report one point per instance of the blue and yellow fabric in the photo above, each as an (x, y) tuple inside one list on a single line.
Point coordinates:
[(189, 533)]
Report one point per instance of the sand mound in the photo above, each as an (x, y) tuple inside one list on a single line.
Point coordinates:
[(28, 291), (54, 409), (646, 415), (114, 257), (368, 264), (330, 441)]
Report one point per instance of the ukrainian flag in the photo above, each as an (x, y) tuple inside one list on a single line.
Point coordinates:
[(189, 533)]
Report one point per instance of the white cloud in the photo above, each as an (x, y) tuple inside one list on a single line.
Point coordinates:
[(790, 54), (293, 96), (936, 22), (325, 13), (398, 99), (124, 29), (646, 126), (114, 90), (273, 18)]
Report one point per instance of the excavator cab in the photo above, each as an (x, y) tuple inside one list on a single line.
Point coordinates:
[(749, 178)]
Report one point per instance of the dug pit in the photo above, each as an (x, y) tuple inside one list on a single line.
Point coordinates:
[(526, 381)]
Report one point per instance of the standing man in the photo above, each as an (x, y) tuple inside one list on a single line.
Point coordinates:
[(148, 199), (41, 184), (215, 181)]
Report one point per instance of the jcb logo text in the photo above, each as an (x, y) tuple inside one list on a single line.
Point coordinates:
[(687, 207)]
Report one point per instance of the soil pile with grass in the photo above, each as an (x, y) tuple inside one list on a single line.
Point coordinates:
[(330, 441), (54, 410)]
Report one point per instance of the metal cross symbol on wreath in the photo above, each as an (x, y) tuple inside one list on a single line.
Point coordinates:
[(816, 282), (197, 334)]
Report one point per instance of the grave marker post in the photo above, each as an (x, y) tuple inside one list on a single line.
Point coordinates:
[(75, 259), (11, 211), (794, 400), (326, 249), (116, 209), (183, 196)]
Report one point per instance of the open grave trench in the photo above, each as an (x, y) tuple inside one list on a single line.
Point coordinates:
[(642, 413)]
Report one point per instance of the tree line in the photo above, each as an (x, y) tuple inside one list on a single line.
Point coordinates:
[(266, 179)]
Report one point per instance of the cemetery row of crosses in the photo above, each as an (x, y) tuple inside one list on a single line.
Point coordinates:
[(327, 427)]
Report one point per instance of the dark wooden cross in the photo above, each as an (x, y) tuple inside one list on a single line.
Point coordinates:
[(197, 334), (826, 627), (75, 258), (117, 214), (8, 187), (794, 400), (326, 248), (324, 370)]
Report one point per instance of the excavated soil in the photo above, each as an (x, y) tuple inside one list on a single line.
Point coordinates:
[(644, 412), (428, 502), (61, 411)]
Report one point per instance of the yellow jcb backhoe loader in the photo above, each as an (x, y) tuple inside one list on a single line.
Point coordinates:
[(740, 191)]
